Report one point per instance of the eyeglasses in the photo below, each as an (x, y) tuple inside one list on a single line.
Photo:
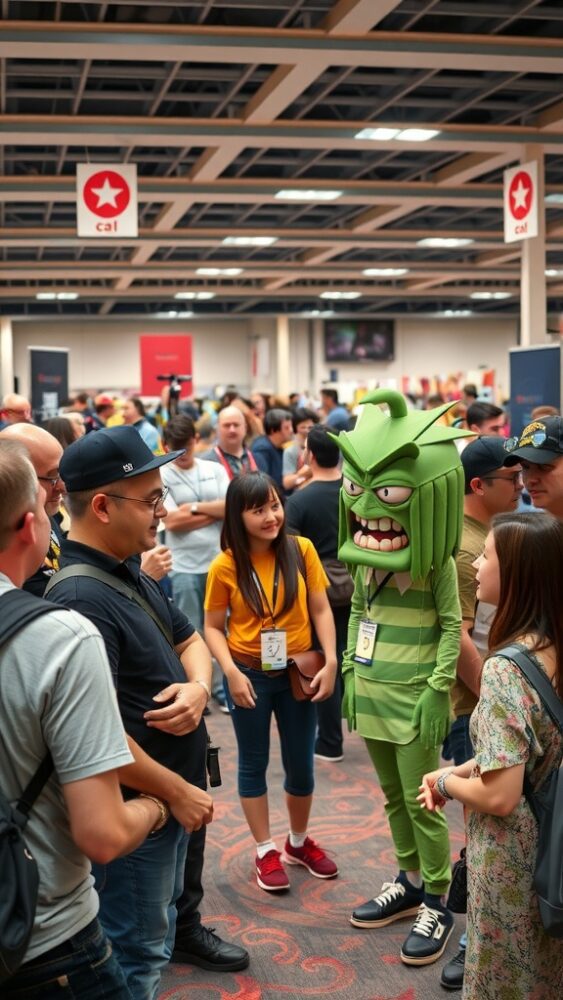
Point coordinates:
[(155, 504), (52, 480), (515, 478)]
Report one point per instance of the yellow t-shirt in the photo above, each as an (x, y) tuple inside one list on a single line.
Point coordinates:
[(222, 592)]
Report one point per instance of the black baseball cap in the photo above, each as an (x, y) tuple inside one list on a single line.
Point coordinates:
[(540, 442), (106, 456), (481, 457)]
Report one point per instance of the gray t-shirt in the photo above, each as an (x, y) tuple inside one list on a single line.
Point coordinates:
[(193, 551), (56, 693)]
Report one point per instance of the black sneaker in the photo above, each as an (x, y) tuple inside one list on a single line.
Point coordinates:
[(428, 937), (453, 971), (395, 902), (206, 949)]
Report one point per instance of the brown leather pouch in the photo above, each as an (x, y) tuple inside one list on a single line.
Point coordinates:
[(302, 667)]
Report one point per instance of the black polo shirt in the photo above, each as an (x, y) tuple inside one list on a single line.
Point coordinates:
[(141, 660)]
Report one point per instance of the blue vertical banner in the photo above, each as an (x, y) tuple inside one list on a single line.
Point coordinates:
[(48, 380), (535, 380)]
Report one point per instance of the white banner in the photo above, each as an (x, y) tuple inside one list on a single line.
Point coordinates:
[(521, 202), (106, 200)]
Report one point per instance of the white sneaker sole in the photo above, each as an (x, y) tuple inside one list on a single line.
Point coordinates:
[(386, 920), (288, 860), (428, 959), (271, 888)]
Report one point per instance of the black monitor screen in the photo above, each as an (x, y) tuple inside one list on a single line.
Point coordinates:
[(359, 340)]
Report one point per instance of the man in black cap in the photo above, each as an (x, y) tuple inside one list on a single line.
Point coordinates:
[(540, 451), (489, 489), (162, 671)]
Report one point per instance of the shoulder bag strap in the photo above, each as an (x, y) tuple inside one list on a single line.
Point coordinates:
[(94, 573), (539, 681)]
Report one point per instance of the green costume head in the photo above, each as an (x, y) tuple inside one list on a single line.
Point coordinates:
[(401, 503)]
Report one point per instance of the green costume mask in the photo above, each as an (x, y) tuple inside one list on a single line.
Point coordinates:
[(401, 503)]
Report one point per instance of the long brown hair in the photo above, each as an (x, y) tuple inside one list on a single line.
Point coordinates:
[(530, 554), (249, 490)]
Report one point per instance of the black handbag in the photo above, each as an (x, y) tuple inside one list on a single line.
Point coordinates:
[(457, 896), (19, 879)]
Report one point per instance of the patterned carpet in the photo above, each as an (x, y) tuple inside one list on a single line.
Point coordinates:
[(301, 942)]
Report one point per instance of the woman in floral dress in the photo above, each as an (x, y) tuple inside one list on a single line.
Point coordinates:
[(509, 955)]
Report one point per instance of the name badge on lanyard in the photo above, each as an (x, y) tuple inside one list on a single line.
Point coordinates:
[(273, 646), (367, 630)]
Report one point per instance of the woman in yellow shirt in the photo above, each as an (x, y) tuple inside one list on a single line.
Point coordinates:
[(271, 592)]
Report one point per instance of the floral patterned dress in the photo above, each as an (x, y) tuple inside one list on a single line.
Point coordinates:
[(509, 955)]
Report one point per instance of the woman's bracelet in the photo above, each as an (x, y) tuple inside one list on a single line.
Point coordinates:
[(205, 687), (441, 786), (164, 811)]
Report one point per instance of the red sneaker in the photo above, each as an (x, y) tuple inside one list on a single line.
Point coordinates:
[(270, 873), (312, 857)]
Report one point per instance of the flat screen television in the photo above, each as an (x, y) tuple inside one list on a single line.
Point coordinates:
[(359, 340)]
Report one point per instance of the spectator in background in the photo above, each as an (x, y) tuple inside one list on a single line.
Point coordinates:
[(295, 469), (61, 429), (16, 409), (544, 411), (76, 421), (268, 449), (469, 394), (540, 450), (337, 417), (133, 412), (104, 407), (81, 403), (230, 450), (486, 418), (313, 513)]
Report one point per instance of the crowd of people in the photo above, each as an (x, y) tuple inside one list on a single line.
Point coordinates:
[(189, 553)]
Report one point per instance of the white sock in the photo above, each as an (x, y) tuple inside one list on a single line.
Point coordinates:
[(263, 848), (415, 879), (297, 839)]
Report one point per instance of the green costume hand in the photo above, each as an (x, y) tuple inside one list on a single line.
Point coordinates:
[(431, 717), (349, 700)]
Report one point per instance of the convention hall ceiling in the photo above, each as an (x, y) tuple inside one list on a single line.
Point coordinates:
[(223, 104)]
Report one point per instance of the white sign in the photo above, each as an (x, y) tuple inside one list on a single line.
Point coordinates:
[(106, 199), (521, 202)]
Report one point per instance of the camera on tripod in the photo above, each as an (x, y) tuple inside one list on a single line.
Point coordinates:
[(175, 382)]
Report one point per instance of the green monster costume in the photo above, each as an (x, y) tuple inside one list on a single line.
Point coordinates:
[(400, 523)]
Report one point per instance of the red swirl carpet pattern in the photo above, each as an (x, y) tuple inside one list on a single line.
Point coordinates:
[(301, 942)]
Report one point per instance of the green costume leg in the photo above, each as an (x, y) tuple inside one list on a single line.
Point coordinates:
[(420, 837)]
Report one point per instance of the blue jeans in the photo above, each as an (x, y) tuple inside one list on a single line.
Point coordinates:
[(83, 967), (297, 723), (138, 894), (462, 750), (188, 591)]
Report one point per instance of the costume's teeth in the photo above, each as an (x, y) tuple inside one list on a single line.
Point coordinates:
[(384, 523), (362, 521), (372, 542), (397, 526), (385, 545), (364, 541), (397, 543), (372, 525), (404, 541), (357, 538)]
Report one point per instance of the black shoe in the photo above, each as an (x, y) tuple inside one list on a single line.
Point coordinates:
[(428, 937), (452, 973), (394, 902), (205, 948)]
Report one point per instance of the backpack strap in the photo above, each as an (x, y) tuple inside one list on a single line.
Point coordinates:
[(18, 610), (539, 681), (93, 573)]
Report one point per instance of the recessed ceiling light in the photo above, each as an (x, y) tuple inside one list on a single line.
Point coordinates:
[(195, 295), (444, 241), (385, 272), (46, 295), (68, 296), (553, 272), (318, 313), (490, 295), (61, 296), (174, 314), (554, 199), (378, 134), (217, 272), (300, 194), (340, 295), (456, 313), (249, 241), (417, 134)]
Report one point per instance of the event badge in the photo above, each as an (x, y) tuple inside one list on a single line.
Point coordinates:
[(366, 641), (273, 643)]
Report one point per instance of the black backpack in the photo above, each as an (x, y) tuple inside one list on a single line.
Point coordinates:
[(546, 805), (19, 881)]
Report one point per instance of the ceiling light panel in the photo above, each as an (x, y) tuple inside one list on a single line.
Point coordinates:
[(447, 242), (300, 194), (249, 241), (385, 272)]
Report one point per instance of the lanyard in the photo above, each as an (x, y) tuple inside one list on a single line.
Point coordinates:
[(271, 608), (378, 590), (250, 462)]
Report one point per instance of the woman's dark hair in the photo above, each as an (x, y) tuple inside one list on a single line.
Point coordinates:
[(245, 492), (61, 429), (178, 432), (530, 553), (300, 414)]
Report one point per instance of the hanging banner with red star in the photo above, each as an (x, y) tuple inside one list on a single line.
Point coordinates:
[(521, 202), (106, 200)]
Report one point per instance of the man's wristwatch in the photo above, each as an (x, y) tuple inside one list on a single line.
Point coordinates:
[(194, 509)]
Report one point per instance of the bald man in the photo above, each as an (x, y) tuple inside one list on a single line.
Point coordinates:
[(45, 453), (229, 450), (15, 409)]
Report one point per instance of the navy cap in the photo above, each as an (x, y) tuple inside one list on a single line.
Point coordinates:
[(106, 456), (483, 456), (540, 442)]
